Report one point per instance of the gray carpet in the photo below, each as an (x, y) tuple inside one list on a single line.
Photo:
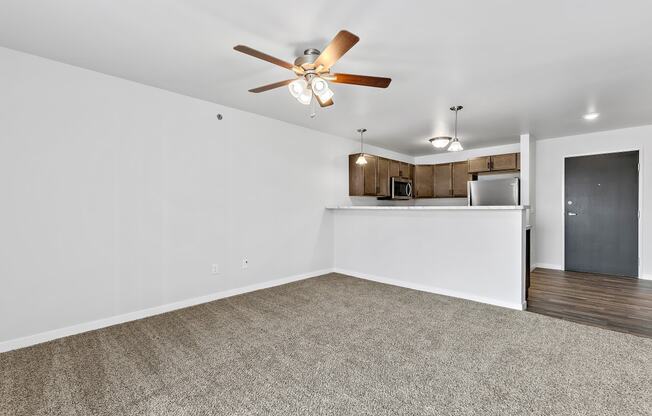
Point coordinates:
[(334, 345)]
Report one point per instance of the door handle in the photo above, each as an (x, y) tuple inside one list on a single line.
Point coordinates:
[(572, 214)]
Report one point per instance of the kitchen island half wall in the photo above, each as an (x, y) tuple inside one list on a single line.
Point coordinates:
[(475, 253)]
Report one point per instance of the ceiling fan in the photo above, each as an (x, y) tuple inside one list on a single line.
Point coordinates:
[(313, 71)]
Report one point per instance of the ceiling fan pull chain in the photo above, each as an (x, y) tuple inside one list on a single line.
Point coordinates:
[(313, 107)]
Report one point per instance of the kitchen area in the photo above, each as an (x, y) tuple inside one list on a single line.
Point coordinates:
[(458, 228), (389, 179)]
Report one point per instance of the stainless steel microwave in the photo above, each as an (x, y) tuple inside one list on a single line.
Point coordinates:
[(401, 188)]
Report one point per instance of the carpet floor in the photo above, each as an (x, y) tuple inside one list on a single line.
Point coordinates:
[(334, 345)]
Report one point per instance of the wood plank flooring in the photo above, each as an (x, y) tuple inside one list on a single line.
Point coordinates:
[(617, 303)]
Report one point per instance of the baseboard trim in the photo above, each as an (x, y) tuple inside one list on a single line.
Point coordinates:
[(42, 337), (431, 289), (549, 266), (646, 276)]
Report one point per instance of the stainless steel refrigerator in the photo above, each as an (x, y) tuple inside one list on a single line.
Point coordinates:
[(494, 192)]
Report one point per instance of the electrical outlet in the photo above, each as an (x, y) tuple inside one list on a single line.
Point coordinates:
[(245, 263), (215, 269)]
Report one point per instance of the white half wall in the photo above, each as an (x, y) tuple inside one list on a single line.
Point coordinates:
[(467, 253), (118, 197), (550, 156)]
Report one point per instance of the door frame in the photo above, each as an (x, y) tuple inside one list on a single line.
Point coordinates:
[(638, 149)]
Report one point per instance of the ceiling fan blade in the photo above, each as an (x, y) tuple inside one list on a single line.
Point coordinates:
[(367, 81), (340, 45), (260, 55), (325, 104), (271, 86)]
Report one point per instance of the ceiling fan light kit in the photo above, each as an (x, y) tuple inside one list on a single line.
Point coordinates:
[(313, 70), (297, 87)]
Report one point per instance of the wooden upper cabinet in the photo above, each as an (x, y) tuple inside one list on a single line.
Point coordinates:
[(404, 171), (424, 181), (443, 180), (371, 175), (504, 162), (480, 164), (429, 181), (394, 168), (460, 179), (363, 178), (518, 161), (356, 177), (383, 176)]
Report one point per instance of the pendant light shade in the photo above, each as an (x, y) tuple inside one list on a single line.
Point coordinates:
[(361, 159), (320, 89), (440, 142), (297, 87), (301, 91), (305, 97), (455, 145)]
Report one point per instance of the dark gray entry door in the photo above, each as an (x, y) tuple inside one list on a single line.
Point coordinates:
[(601, 218)]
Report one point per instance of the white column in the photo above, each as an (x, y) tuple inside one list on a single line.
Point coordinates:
[(528, 192)]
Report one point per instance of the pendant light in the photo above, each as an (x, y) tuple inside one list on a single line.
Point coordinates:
[(361, 160), (455, 145)]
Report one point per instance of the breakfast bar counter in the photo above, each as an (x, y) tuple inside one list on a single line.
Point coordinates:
[(475, 253), (429, 207)]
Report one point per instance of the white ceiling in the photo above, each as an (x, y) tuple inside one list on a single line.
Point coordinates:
[(516, 66)]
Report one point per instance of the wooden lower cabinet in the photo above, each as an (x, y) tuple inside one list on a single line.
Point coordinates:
[(424, 181), (460, 179), (443, 180)]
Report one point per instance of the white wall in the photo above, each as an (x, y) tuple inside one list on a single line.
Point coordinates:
[(118, 196), (474, 254), (550, 156)]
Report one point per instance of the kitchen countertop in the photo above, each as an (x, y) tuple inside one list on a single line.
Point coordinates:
[(430, 208)]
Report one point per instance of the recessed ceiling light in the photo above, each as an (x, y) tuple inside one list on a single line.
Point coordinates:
[(591, 116)]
